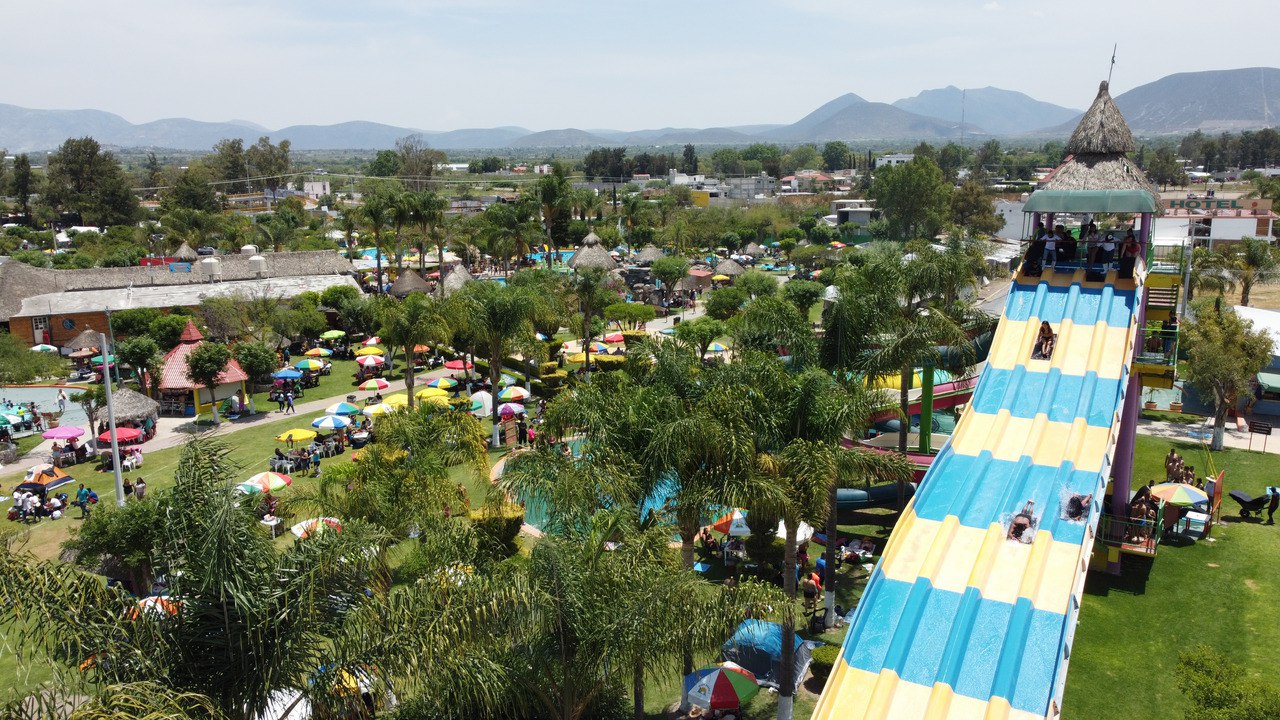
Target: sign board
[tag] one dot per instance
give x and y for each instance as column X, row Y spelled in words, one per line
column 1248, row 205
column 1260, row 428
column 184, row 267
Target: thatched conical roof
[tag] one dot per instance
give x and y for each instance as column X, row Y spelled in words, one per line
column 88, row 338
column 1102, row 130
column 132, row 406
column 456, row 278
column 592, row 255
column 753, row 249
column 184, row 252
column 730, row 268
column 1096, row 154
column 409, row 282
column 648, row 254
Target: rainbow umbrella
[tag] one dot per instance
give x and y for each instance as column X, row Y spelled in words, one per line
column 599, row 347
column 332, row 334
column 318, row 352
column 44, row 348
column 370, row 361
column 721, row 687
column 732, row 523
column 342, row 408
column 309, row 364
column 370, row 351
column 379, row 409
column 1180, row 493
column 513, row 394
column 510, row 409
column 330, row 422
column 156, row 606
column 307, row 528
column 443, row 383
column 266, row 482
column 368, row 342
column 716, row 347
column 296, row 435
column 431, row 392
column 374, row 384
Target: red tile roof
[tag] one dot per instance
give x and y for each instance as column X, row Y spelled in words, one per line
column 173, row 370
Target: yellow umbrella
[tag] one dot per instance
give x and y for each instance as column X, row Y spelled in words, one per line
column 719, row 278
column 436, row 400
column 378, row 410
column 577, row 357
column 431, row 393
column 370, row 350
column 396, row 401
column 296, row 435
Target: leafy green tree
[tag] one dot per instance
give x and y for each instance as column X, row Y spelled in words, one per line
column 19, row 365
column 269, row 163
column 629, row 316
column 775, row 327
column 205, row 365
column 723, row 303
column 803, row 294
column 669, row 271
column 913, row 198
column 418, row 161
column 689, row 160
column 553, row 193
column 836, row 155
column 126, row 535
column 230, row 166
column 338, row 295
column 83, row 178
column 757, row 284
column 1253, row 262
column 700, row 332
column 427, row 210
column 192, row 191
column 1224, row 355
column 376, row 214
column 416, row 320
column 93, row 400
column 23, row 183
column 972, row 209
column 166, row 330
column 592, row 290
column 1164, row 168
column 143, row 355
column 256, row 359
column 385, row 164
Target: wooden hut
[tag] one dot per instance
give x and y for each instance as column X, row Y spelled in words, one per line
column 1097, row 153
column 648, row 254
column 730, row 268
column 592, row 255
column 409, row 282
column 456, row 278
column 179, row 394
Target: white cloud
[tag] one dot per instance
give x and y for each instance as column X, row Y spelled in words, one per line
column 991, row 6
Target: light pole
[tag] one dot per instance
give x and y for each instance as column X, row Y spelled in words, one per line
column 111, row 428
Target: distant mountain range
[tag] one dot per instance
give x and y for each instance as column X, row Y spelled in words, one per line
column 1212, row 101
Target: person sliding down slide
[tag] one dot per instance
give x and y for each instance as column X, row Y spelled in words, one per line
column 1022, row 522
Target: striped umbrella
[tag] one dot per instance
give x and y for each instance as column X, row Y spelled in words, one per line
column 371, row 341
column 307, row 528
column 732, row 523
column 716, row 347
column 266, row 482
column 510, row 409
column 342, row 408
column 44, row 348
column 156, row 606
column 370, row 351
column 309, row 364
column 599, row 347
column 1180, row 494
column 318, row 352
column 371, row 361
column 373, row 384
column 513, row 394
column 330, row 422
column 721, row 687
column 443, row 383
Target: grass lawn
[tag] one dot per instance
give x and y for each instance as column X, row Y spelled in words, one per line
column 1172, row 417
column 1221, row 593
column 340, row 382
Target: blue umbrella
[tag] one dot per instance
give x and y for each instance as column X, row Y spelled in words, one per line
column 330, row 422
column 286, row 374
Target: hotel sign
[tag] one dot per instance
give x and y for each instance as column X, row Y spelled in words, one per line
column 1212, row 204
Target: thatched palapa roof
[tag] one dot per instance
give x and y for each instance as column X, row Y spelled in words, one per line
column 132, row 406
column 184, row 252
column 648, row 254
column 456, row 278
column 591, row 255
column 753, row 249
column 87, row 339
column 730, row 268
column 409, row 282
column 1096, row 153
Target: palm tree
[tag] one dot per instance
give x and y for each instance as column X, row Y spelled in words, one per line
column 376, row 212
column 428, row 212
column 1253, row 262
column 1211, row 271
column 591, row 289
column 403, row 206
column 500, row 320
column 416, row 320
column 349, row 224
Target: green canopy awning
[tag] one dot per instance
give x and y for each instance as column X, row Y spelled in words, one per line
column 1269, row 381
column 1091, row 201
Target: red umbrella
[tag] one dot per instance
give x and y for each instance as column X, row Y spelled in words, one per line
column 614, row 338
column 122, row 434
column 458, row 365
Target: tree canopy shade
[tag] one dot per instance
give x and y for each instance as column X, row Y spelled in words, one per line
column 913, row 198
column 205, row 365
column 416, row 320
column 1224, row 355
column 19, row 365
column 84, row 179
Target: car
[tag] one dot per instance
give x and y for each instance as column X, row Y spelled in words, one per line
column 206, row 250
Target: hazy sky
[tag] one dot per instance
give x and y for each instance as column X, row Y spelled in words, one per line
column 540, row 64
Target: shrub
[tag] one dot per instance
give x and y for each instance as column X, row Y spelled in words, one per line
column 609, row 362
column 548, row 368
column 824, row 658
column 499, row 524
column 555, row 379
column 631, row 337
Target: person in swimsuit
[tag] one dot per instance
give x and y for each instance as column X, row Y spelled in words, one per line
column 1022, row 522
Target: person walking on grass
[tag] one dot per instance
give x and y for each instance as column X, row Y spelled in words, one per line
column 288, row 403
column 82, row 499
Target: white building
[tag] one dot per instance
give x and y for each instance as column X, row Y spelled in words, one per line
column 314, row 189
column 894, row 159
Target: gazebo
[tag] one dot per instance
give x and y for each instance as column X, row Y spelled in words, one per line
column 84, row 345
column 133, row 408
column 648, row 254
column 409, row 282
column 592, row 255
column 730, row 268
column 1097, row 153
column 753, row 249
column 456, row 278
column 179, row 394
column 185, row 253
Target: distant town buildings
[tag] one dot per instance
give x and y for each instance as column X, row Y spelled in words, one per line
column 894, row 159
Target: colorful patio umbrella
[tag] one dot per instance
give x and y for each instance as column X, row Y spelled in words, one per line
column 421, row 349
column 332, row 335
column 62, row 432
column 44, row 348
column 309, row 364
column 443, row 383
column 510, row 409
column 398, row 400
column 370, row 351
column 837, row 244
column 505, row 380
column 720, row 278
column 307, row 528
column 721, row 687
column 342, row 408
column 378, row 409
column 318, row 352
column 330, row 422
column 458, row 365
column 577, row 358
column 374, row 384
column 513, row 394
column 156, row 606
column 614, row 338
column 371, row 361
column 286, row 374
column 599, row 347
column 1180, row 494
column 732, row 523
column 266, row 482
column 716, row 347
column 97, row 359
column 122, row 434
column 296, row 435
column 431, row 392
column 371, row 341
column 668, row 331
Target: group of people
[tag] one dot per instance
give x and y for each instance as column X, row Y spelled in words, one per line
column 69, row 454
column 31, row 506
column 1177, row 471
column 1048, row 248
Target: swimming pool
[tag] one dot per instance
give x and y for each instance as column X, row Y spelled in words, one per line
column 561, row 256
column 46, row 400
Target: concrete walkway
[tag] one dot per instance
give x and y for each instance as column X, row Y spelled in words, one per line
column 1237, row 435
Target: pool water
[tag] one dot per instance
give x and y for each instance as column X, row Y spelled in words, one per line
column 561, row 256
column 46, row 400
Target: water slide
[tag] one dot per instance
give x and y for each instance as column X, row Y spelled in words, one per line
column 872, row 497
column 958, row 620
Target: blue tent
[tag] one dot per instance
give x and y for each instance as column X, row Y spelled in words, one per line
column 757, row 646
